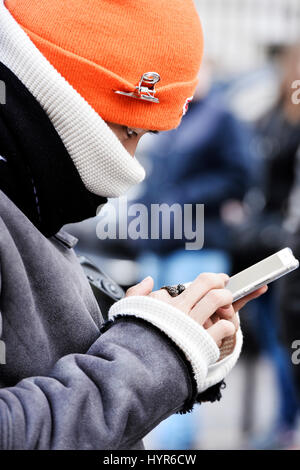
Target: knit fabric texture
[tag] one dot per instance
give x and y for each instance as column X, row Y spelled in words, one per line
column 197, row 345
column 105, row 46
column 104, row 165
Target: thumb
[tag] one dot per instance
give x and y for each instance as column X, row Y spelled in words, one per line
column 143, row 288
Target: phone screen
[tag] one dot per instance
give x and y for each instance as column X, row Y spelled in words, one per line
column 262, row 270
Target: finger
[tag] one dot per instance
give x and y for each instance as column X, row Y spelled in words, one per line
column 210, row 303
column 215, row 318
column 211, row 321
column 221, row 330
column 226, row 312
column 208, row 323
column 199, row 288
column 161, row 294
column 234, row 319
column 232, row 316
column 242, row 302
column 143, row 288
column 229, row 314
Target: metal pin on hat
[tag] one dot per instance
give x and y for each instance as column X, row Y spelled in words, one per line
column 146, row 88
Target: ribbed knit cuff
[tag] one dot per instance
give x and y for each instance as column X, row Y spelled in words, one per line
column 196, row 344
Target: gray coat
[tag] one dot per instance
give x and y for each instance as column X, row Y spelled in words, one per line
column 65, row 385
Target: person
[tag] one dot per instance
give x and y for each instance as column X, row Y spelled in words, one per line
column 85, row 80
column 289, row 295
column 267, row 232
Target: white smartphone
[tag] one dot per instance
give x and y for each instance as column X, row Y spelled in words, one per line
column 262, row 273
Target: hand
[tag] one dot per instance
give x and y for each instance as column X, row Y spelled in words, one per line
column 204, row 297
column 230, row 313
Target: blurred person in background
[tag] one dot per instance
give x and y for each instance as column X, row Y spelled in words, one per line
column 290, row 294
column 207, row 160
column 265, row 232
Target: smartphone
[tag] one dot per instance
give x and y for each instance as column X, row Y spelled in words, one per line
column 262, row 273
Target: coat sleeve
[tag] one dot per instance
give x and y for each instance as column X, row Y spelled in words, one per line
column 129, row 381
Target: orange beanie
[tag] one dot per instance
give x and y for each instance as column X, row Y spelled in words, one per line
column 105, row 46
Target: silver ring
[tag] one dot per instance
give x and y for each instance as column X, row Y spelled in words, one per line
column 174, row 291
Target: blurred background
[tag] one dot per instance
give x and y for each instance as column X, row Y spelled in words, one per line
column 238, row 153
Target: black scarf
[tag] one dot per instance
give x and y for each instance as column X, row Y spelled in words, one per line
column 39, row 175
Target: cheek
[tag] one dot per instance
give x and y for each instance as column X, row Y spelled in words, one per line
column 131, row 145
